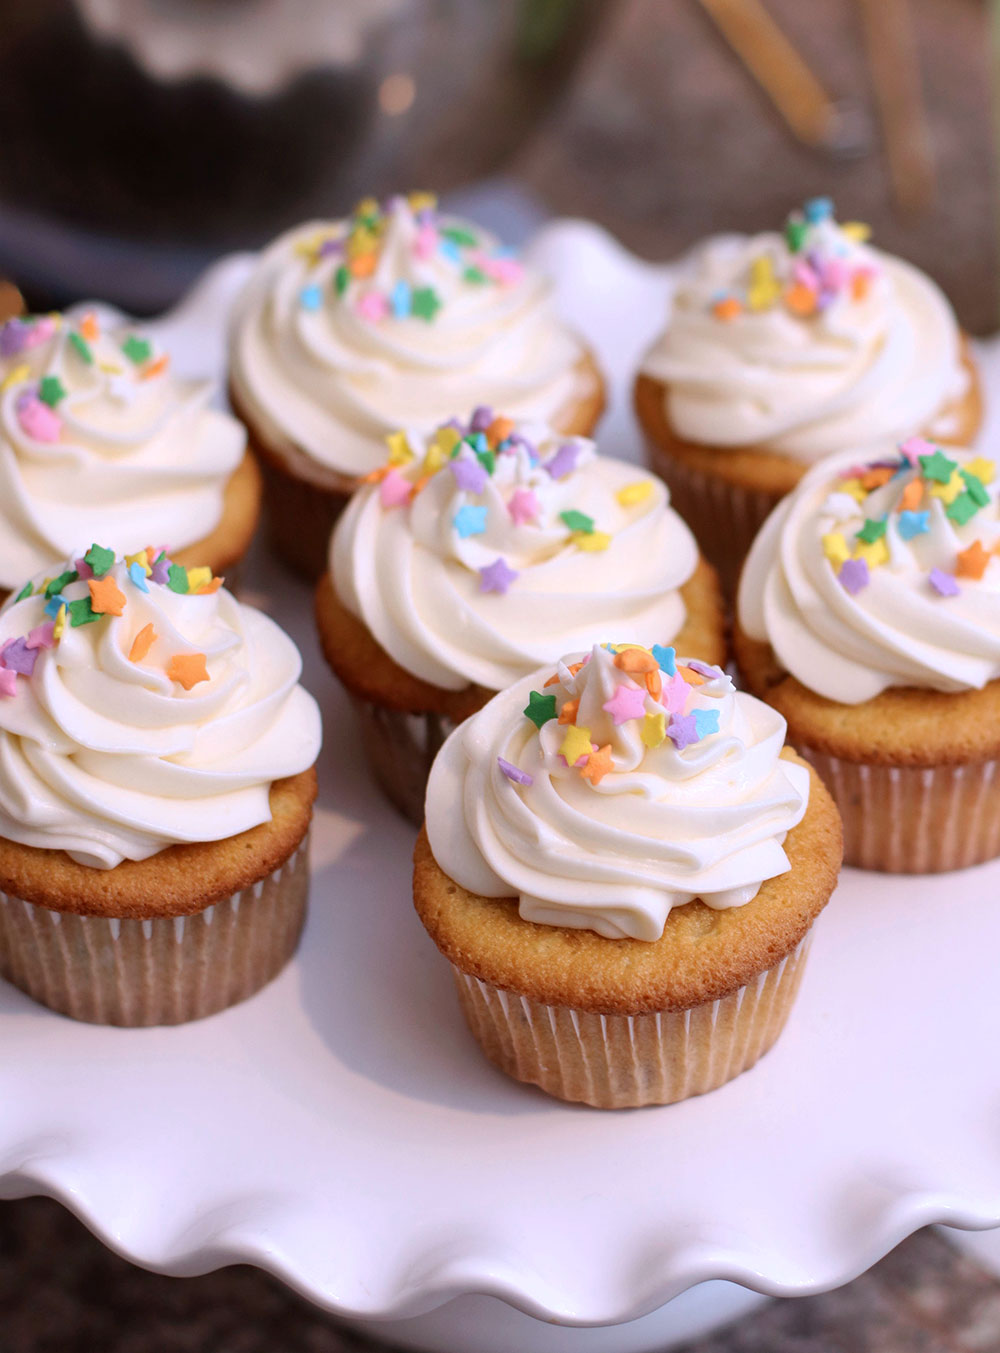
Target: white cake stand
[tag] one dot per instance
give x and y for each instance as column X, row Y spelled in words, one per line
column 342, row 1131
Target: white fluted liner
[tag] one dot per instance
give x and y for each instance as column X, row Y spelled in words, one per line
column 401, row 748
column 914, row 820
column 166, row 970
column 627, row 1061
column 724, row 517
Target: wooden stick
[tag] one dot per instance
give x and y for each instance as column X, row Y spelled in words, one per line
column 895, row 72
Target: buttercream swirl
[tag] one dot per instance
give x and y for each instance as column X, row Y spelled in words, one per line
column 882, row 574
column 617, row 794
column 124, row 733
column 333, row 347
column 507, row 557
column 805, row 342
column 96, row 431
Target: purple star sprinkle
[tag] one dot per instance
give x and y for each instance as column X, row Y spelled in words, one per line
column 520, row 777
column 469, row 474
column 12, row 338
column 496, row 577
column 482, row 417
column 704, row 669
column 16, row 656
column 943, row 583
column 519, row 439
column 563, row 462
column 683, row 731
column 853, row 576
column 331, row 246
column 161, row 570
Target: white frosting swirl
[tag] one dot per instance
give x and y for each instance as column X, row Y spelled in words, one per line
column 125, row 451
column 916, row 614
column 865, row 367
column 315, row 367
column 109, row 758
column 662, row 825
column 414, row 579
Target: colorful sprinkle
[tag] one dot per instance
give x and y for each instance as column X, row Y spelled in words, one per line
column 937, row 466
column 81, row 612
column 563, row 462
column 496, row 577
column 523, row 507
column 106, row 597
column 51, row 390
column 137, row 350
column 973, row 561
column 470, row 520
column 311, row 297
column 576, row 744
column 512, row 772
column 142, row 643
column 17, row 655
column 37, row 420
column 395, row 489
column 706, row 722
column 912, row 524
column 188, row 669
column 943, row 583
column 632, row 494
column 470, row 475
column 577, row 521
column 177, row 579
column 425, row 303
column 854, row 576
column 628, row 702
column 540, row 708
column 81, row 347
column 683, row 731
column 598, row 764
column 99, row 560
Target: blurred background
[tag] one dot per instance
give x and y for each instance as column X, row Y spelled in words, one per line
column 143, row 138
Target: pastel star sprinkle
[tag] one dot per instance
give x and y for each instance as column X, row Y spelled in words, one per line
column 962, row 509
column 683, row 731
column 59, row 624
column 18, row 656
column 577, row 521
column 576, row 744
column 873, row 555
column 199, row 578
column 599, row 763
column 943, row 583
column 51, row 390
column 635, row 493
column 188, row 669
column 496, row 577
column 912, row 524
column 26, row 591
column 666, row 658
column 540, row 708
column 81, row 613
column 106, row 596
column 972, row 562
column 137, row 350
column 512, row 772
column 937, row 466
column 142, row 643
column 949, row 491
column 628, row 702
column 853, row 576
column 835, row 548
column 177, row 579
column 915, row 447
column 470, row 475
column 470, row 520
column 38, row 421
column 482, row 417
column 310, row 297
column 631, row 658
column 523, row 507
column 975, row 487
column 873, row 530
column 653, row 730
column 137, row 574
column 8, row 682
column 425, row 303
column 399, row 448
column 42, row 636
column 591, row 542
column 706, row 721
column 99, row 560
column 395, row 489
column 983, row 469
column 563, row 462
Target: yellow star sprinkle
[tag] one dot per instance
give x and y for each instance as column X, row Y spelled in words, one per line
column 309, row 247
column 60, row 625
column 857, row 231
column 399, row 449
column 874, row 554
column 764, row 288
column 950, row 491
column 141, row 558
column 635, row 493
column 198, row 578
column 984, row 470
column 575, row 744
column 855, row 488
column 446, row 439
column 433, row 460
column 422, row 201
column 653, row 730
column 591, row 541
column 835, row 548
column 15, row 377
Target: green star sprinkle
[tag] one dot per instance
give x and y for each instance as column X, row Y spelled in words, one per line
column 795, row 235
column 82, row 347
column 976, row 488
column 99, row 559
column 177, row 578
column 51, row 390
column 578, row 521
column 425, row 303
column 541, row 708
column 137, row 350
column 962, row 509
column 938, row 467
column 341, row 280
column 82, row 613
column 64, row 580
column 873, row 529
column 458, row 235
column 475, row 275
column 487, row 460
column 25, row 591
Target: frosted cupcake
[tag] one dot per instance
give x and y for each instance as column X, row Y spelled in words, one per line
column 393, row 318
column 481, row 551
column 623, row 867
column 869, row 617
column 156, row 789
column 100, row 438
column 784, row 348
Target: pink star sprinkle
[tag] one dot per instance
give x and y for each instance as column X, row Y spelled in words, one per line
column 395, row 489
column 426, row 242
column 83, row 568
column 675, row 694
column 628, row 702
column 523, row 506
column 373, row 306
column 42, row 636
column 40, row 422
column 914, row 447
column 8, row 682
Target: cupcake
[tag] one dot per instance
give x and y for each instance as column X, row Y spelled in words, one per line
column 623, row 867
column 782, row 349
column 99, row 436
column 482, row 550
column 156, row 790
column 869, row 618
column 393, row 318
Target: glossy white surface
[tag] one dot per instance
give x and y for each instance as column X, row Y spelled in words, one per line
column 342, row 1131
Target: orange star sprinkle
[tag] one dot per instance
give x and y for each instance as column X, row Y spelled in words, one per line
column 553, row 680
column 212, row 585
column 860, row 286
column 654, row 684
column 692, row 678
column 800, row 299
column 569, row 711
column 728, row 308
column 635, row 660
column 913, row 496
column 874, row 479
column 156, row 368
column 499, row 430
column 188, row 669
column 598, row 765
column 362, row 265
column 972, row 562
column 106, row 597
column 142, row 643
column 88, row 327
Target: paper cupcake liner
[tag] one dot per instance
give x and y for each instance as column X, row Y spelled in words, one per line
column 628, row 1061
column 401, row 748
column 301, row 517
column 163, row 970
column 724, row 517
column 914, row 820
